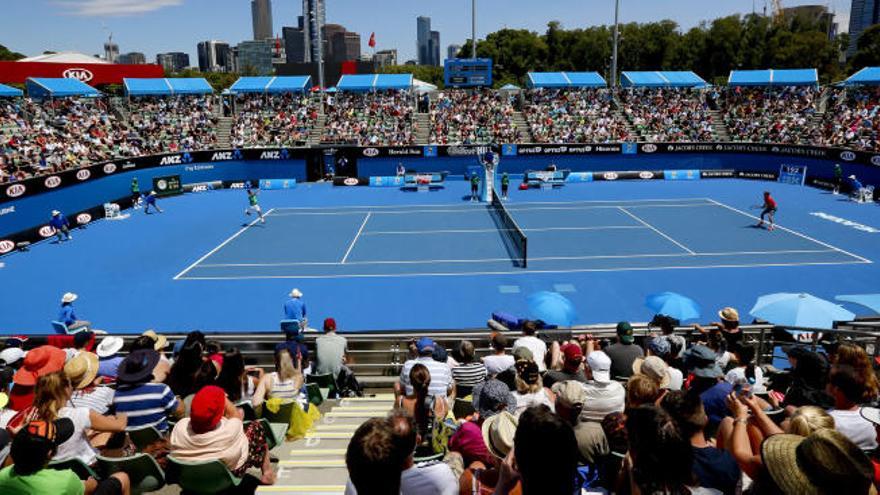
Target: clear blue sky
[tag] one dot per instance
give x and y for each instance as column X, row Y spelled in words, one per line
column 154, row 26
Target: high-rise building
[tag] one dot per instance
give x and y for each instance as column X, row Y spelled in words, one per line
column 452, row 51
column 295, row 43
column 261, row 12
column 384, row 58
column 328, row 33
column 423, row 40
column 254, row 57
column 111, row 51
column 314, row 18
column 434, row 48
column 214, row 56
column 862, row 15
column 345, row 46
column 173, row 61
column 132, row 58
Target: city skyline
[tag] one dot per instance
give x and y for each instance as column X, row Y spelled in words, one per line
column 84, row 25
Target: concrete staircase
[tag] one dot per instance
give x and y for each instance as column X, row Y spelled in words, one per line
column 519, row 120
column 422, row 122
column 224, row 132
column 719, row 128
column 317, row 131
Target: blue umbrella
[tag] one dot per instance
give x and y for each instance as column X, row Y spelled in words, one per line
column 674, row 305
column 553, row 308
column 870, row 301
column 799, row 310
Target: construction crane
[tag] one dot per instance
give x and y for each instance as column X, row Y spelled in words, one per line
column 777, row 10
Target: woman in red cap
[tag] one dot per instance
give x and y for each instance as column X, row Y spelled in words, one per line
column 215, row 430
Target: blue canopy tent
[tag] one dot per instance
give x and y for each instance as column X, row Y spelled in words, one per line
column 42, row 87
column 538, row 80
column 9, row 91
column 661, row 79
column 274, row 85
column 774, row 77
column 167, row 87
column 374, row 82
column 869, row 76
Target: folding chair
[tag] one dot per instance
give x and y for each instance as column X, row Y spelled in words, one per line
column 247, row 408
column 82, row 470
column 282, row 416
column 326, row 381
column 142, row 437
column 202, row 478
column 142, row 469
column 314, row 394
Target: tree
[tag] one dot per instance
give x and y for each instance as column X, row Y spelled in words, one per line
column 867, row 49
column 7, row 54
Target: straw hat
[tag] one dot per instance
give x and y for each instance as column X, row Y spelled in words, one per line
column 69, row 297
column 824, row 462
column 82, row 370
column 161, row 340
column 295, row 293
column 654, row 368
column 729, row 314
column 109, row 346
column 498, row 433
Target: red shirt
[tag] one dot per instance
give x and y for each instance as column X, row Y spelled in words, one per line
column 769, row 202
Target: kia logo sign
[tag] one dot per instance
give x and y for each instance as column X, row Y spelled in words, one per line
column 83, row 75
column 83, row 218
column 6, row 246
column 46, row 231
column 646, row 175
column 15, row 190
column 848, row 156
column 109, row 168
column 610, row 176
column 876, row 160
column 52, row 182
column 350, row 181
column 649, row 148
column 371, row 152
column 83, row 174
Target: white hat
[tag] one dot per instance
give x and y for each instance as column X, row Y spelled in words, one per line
column 109, row 346
column 853, row 176
column 295, row 293
column 600, row 365
column 498, row 433
column 69, row 297
column 11, row 355
column 55, row 213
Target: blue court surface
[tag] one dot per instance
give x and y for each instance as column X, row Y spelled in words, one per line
column 382, row 259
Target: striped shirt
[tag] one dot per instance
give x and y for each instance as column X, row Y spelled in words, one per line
column 469, row 375
column 441, row 377
column 285, row 390
column 97, row 399
column 147, row 404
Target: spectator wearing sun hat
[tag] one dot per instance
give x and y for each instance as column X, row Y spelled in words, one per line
column 623, row 352
column 661, row 347
column 82, row 371
column 441, row 375
column 570, row 399
column 108, row 358
column 604, row 395
column 38, row 362
column 67, row 315
column 709, row 382
column 490, row 398
column 654, row 368
column 145, row 403
column 728, row 327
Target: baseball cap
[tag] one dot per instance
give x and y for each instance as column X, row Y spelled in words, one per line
column 425, row 344
column 207, row 408
column 12, row 355
column 329, row 324
column 701, row 361
column 625, row 332
column 572, row 353
column 37, row 438
column 520, row 353
column 571, row 392
column 659, row 346
column 490, row 395
column 600, row 365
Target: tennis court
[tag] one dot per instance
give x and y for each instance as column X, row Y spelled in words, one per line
column 468, row 239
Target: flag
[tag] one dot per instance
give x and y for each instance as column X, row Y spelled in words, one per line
column 372, row 42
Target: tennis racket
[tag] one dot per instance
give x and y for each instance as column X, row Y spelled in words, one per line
column 756, row 207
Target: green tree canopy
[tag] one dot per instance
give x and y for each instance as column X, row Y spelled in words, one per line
column 7, row 54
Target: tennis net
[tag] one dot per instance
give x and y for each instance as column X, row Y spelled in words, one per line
column 514, row 238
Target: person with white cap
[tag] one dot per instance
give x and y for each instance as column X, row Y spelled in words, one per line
column 604, row 395
column 150, row 200
column 108, row 357
column 61, row 225
column 295, row 308
column 858, row 190
column 68, row 316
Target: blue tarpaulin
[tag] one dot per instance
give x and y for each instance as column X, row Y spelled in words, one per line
column 373, row 82
column 167, row 87
column 661, row 79
column 565, row 80
column 774, row 77
column 867, row 76
column 281, row 84
column 8, row 91
column 41, row 87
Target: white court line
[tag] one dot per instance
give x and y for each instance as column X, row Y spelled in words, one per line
column 646, row 224
column 227, row 241
column 471, row 206
column 803, row 236
column 481, row 231
column 529, row 271
column 489, row 260
column 354, row 241
column 520, row 207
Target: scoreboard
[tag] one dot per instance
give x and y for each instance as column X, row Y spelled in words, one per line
column 467, row 72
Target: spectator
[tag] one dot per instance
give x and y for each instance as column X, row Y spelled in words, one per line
column 331, row 350
column 37, row 363
column 713, row 467
column 604, row 395
column 82, row 372
column 295, row 308
column 530, row 389
column 662, row 348
column 490, row 398
column 499, row 360
column 470, row 372
column 472, row 117
column 667, row 114
column 294, row 344
column 782, row 114
column 284, row 383
column 32, row 449
column 163, row 367
column 728, row 327
column 623, row 353
column 145, row 403
column 215, row 431
column 441, row 376
column 677, row 343
column 235, row 378
column 641, row 389
column 206, row 375
column 160, row 343
column 68, row 316
column 380, row 118
column 434, row 478
column 424, row 407
column 848, row 390
column 654, row 369
column 273, row 120
column 189, row 359
column 573, row 116
column 108, row 357
column 809, row 375
column 851, row 354
column 746, row 372
column 708, row 383
column 82, row 341
column 573, row 359
column 851, row 118
column 533, row 344
column 498, row 435
column 591, row 441
column 372, row 459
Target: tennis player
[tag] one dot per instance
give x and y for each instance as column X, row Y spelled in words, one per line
column 150, row 200
column 254, row 205
column 768, row 211
column 61, row 225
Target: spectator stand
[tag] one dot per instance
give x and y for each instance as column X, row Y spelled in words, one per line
column 666, row 106
column 40, row 88
column 371, row 110
column 10, row 92
column 273, row 111
column 852, row 112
